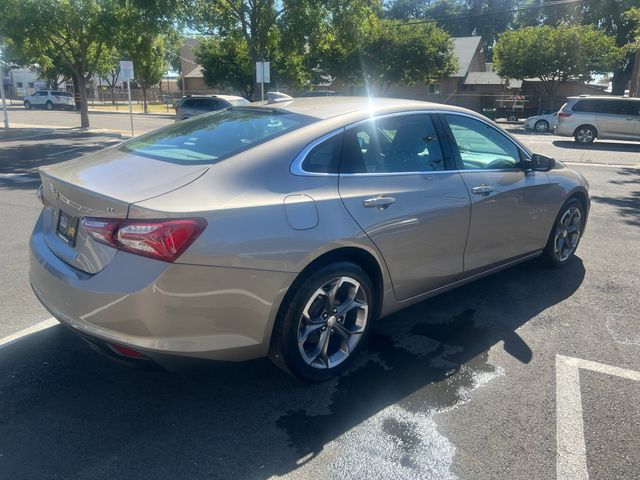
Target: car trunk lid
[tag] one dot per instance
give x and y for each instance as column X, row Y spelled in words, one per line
column 103, row 185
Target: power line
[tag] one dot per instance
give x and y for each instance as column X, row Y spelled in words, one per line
column 488, row 14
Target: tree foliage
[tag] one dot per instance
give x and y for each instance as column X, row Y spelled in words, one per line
column 81, row 32
column 555, row 54
column 149, row 60
column 227, row 63
column 391, row 52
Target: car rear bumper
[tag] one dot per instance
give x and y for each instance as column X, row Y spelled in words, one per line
column 159, row 309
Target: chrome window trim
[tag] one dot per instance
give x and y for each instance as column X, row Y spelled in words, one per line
column 296, row 165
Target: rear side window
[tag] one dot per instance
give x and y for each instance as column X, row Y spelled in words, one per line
column 211, row 137
column 61, row 94
column 401, row 144
column 188, row 103
column 324, row 157
column 609, row 107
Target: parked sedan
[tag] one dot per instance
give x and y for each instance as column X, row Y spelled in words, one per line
column 286, row 229
column 50, row 99
column 542, row 123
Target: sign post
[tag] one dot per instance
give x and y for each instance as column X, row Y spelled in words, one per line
column 4, row 103
column 126, row 70
column 263, row 75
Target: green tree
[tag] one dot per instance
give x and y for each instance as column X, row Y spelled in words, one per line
column 80, row 31
column 226, row 62
column 555, row 54
column 633, row 15
column 149, row 62
column 392, row 52
column 288, row 33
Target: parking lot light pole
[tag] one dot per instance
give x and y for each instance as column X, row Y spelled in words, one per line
column 5, row 116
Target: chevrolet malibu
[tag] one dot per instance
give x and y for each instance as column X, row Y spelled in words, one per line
column 286, row 229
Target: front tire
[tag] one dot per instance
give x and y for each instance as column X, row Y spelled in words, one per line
column 512, row 117
column 585, row 134
column 323, row 322
column 49, row 106
column 565, row 234
column 27, row 105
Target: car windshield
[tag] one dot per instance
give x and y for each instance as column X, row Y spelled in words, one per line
column 211, row 137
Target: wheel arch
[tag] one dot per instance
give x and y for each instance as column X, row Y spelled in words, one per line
column 356, row 255
column 583, row 198
column 595, row 129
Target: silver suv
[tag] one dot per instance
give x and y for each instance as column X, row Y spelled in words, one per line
column 50, row 99
column 193, row 105
column 589, row 117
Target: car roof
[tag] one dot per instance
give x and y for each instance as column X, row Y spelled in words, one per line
column 602, row 97
column 328, row 107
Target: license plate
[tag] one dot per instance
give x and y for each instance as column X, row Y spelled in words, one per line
column 67, row 228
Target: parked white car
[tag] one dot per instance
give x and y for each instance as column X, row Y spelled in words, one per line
column 50, row 99
column 542, row 123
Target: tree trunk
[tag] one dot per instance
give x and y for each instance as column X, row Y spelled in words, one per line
column 634, row 88
column 113, row 94
column 84, row 108
column 144, row 100
column 621, row 79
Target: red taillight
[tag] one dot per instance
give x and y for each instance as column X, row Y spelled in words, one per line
column 564, row 114
column 160, row 239
column 126, row 352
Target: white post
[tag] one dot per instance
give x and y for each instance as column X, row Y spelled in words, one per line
column 262, row 82
column 4, row 102
column 130, row 108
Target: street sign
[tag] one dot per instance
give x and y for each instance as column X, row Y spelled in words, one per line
column 263, row 72
column 126, row 70
column 126, row 73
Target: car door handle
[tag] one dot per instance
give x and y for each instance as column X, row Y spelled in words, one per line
column 482, row 189
column 380, row 202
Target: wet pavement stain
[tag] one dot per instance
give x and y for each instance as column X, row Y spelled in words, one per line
column 392, row 373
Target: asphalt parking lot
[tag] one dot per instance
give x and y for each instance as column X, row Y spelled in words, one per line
column 527, row 374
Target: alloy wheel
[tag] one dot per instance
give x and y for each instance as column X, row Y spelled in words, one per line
column 584, row 135
column 541, row 126
column 567, row 233
column 332, row 322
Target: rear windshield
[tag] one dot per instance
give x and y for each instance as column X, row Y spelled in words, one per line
column 210, row 137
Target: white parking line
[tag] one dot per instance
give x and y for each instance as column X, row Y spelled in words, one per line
column 48, row 323
column 571, row 449
column 601, row 165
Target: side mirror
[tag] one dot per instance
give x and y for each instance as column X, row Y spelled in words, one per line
column 539, row 163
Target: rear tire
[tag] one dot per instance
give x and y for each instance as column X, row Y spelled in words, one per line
column 512, row 117
column 49, row 106
column 585, row 134
column 541, row 126
column 565, row 235
column 323, row 322
column 27, row 105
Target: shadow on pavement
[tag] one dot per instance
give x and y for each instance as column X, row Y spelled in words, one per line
column 629, row 206
column 23, row 151
column 599, row 145
column 68, row 413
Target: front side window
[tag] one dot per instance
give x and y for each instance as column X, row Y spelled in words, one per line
column 392, row 145
column 481, row 146
column 210, row 137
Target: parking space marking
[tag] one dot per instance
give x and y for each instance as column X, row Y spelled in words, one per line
column 571, row 449
column 48, row 323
